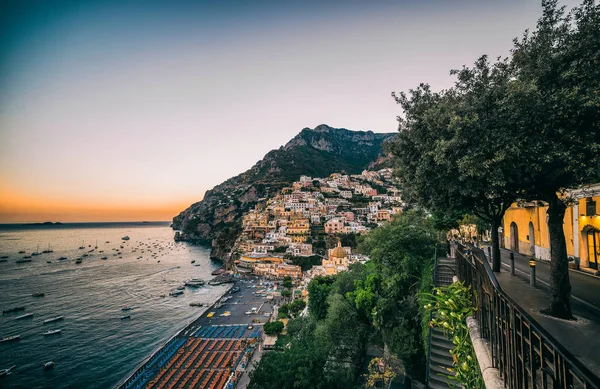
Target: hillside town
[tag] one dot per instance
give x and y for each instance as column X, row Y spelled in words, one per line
column 310, row 218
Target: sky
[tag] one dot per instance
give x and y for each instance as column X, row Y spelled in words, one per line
column 131, row 110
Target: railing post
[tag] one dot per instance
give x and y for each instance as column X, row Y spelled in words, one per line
column 532, row 273
column 512, row 264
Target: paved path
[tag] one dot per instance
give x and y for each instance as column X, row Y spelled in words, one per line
column 581, row 338
column 585, row 289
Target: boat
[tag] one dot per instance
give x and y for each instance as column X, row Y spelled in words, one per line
column 61, row 258
column 125, row 317
column 104, row 257
column 78, row 261
column 125, row 237
column 176, row 292
column 25, row 316
column 52, row 332
column 194, row 282
column 5, row 372
column 10, row 338
column 122, row 247
column 38, row 294
column 3, row 260
column 22, row 252
column 107, row 241
column 48, row 365
column 193, row 261
column 4, row 257
column 235, row 289
column 196, row 304
column 85, row 255
column 53, row 319
column 37, row 251
column 48, row 261
column 15, row 309
column 24, row 259
column 96, row 244
column 48, row 250
column 82, row 246
column 126, row 308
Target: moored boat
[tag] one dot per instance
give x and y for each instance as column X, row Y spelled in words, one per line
column 53, row 319
column 24, row 260
column 10, row 338
column 52, row 332
column 176, row 292
column 48, row 365
column 61, row 258
column 5, row 372
column 194, row 282
column 25, row 316
column 125, row 237
column 38, row 294
column 125, row 317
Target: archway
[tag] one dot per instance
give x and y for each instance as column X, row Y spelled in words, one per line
column 514, row 237
column 531, row 239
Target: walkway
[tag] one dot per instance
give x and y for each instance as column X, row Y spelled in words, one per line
column 585, row 288
column 581, row 338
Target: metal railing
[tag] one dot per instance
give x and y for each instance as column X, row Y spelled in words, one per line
column 427, row 372
column 526, row 355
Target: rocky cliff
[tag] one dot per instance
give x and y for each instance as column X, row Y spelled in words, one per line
column 316, row 152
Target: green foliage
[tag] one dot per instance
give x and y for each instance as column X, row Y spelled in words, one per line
column 286, row 293
column 306, row 263
column 287, row 282
column 297, row 306
column 451, row 306
column 280, row 249
column 318, row 291
column 273, row 327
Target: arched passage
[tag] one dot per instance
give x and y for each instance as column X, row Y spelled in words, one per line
column 514, row 236
column 531, row 239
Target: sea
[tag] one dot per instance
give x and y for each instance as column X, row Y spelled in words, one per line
column 96, row 348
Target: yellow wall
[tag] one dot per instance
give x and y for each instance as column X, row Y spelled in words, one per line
column 537, row 215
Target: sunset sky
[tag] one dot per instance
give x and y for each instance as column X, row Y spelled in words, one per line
column 131, row 110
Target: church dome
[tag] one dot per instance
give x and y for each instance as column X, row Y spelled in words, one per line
column 339, row 252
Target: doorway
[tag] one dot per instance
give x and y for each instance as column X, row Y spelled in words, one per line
column 514, row 237
column 531, row 239
column 593, row 241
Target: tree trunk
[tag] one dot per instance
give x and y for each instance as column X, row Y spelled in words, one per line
column 495, row 246
column 560, row 286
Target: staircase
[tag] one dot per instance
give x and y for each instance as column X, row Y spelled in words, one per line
column 439, row 356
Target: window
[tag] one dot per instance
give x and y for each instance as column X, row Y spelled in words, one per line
column 590, row 207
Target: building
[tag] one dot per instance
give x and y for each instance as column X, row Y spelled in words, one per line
column 334, row 226
column 525, row 228
column 338, row 260
column 277, row 270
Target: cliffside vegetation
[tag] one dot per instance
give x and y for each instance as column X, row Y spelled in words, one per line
column 375, row 303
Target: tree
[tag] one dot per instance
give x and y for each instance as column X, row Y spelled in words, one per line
column 451, row 146
column 554, row 105
column 318, row 291
column 297, row 306
column 286, row 293
column 287, row 282
column 273, row 327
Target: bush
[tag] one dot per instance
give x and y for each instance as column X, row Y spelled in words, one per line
column 273, row 327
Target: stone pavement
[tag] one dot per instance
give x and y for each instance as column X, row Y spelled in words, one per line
column 581, row 338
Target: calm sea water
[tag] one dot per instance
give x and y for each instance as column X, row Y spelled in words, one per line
column 96, row 349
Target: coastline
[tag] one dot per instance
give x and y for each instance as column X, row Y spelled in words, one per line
column 130, row 375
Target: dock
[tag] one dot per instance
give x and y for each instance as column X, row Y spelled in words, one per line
column 211, row 352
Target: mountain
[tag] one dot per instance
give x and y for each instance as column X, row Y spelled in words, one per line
column 316, row 152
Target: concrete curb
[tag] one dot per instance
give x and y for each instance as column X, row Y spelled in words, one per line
column 491, row 375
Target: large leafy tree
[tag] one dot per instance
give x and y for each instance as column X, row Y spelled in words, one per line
column 555, row 112
column 451, row 148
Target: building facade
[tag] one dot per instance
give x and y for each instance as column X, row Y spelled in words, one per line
column 526, row 228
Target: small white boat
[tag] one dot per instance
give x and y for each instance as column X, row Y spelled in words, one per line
column 25, row 316
column 194, row 282
column 125, row 317
column 10, row 338
column 52, row 320
column 5, row 372
column 52, row 332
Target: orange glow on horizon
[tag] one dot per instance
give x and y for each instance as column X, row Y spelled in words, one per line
column 16, row 208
